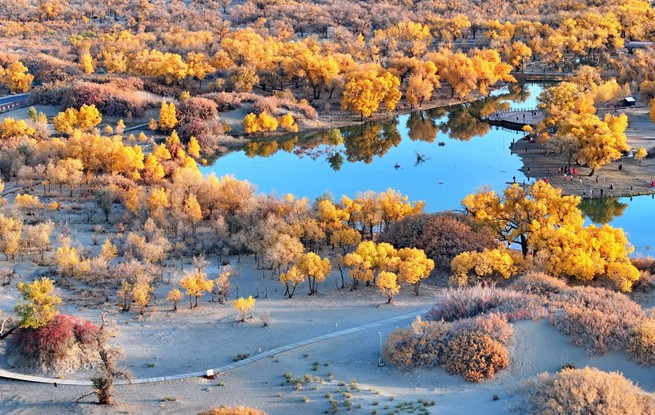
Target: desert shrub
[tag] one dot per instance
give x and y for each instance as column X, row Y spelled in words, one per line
column 641, row 343
column 126, row 106
column 65, row 343
column 49, row 94
column 540, row 284
column 586, row 391
column 597, row 319
column 265, row 104
column 85, row 93
column 434, row 234
column 48, row 69
column 206, row 132
column 493, row 325
column 644, row 264
column 159, row 88
column 475, row 356
column 465, row 302
column 235, row 410
column 225, row 101
column 422, row 345
column 194, row 109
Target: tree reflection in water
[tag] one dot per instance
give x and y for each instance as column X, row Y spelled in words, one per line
column 602, row 210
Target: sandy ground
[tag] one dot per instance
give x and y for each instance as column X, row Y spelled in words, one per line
column 634, row 178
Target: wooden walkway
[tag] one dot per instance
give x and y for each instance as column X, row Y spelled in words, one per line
column 217, row 371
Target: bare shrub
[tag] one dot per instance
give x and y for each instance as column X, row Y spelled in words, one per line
column 65, row 344
column 422, row 345
column 234, row 410
column 464, row 302
column 596, row 318
column 586, row 391
column 475, row 356
column 641, row 343
column 85, row 93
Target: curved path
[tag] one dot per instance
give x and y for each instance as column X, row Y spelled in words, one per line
column 268, row 353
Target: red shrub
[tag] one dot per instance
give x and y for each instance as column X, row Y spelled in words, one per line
column 475, row 356
column 45, row 346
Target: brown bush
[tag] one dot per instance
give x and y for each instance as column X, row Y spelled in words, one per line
column 586, row 391
column 422, row 345
column 207, row 133
column 49, row 94
column 235, row 410
column 475, row 356
column 435, row 235
column 65, row 343
column 597, row 319
column 641, row 343
column 196, row 109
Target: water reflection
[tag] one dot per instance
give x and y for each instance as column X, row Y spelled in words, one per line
column 364, row 142
column 602, row 210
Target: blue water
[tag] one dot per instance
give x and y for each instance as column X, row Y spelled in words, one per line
column 463, row 157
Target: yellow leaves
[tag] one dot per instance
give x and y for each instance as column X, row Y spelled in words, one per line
column 195, row 284
column 651, row 111
column 37, row 308
column 488, row 263
column 16, row 77
column 28, row 201
column 287, row 122
column 406, row 38
column 167, row 116
column 86, row 118
column 388, row 285
column 368, row 88
column 193, row 147
column 108, row 251
column 10, row 128
column 641, row 153
column 86, row 63
column 174, row 296
column 68, row 261
column 413, row 266
column 263, row 122
column 243, row 306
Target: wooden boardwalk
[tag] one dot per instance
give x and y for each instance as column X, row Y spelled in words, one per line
column 516, row 120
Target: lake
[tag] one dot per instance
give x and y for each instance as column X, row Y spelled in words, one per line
column 438, row 156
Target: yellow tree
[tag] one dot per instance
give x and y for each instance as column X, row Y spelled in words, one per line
column 518, row 213
column 370, row 258
column 193, row 148
column 243, row 306
column 167, row 116
column 387, row 282
column 196, row 283
column 599, row 141
column 86, row 63
column 141, row 293
column 16, row 78
column 367, row 89
column 10, row 236
column 38, row 306
column 174, row 296
column 315, row 268
column 291, row 279
column 414, row 266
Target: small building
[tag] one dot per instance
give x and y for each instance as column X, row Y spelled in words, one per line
column 627, row 102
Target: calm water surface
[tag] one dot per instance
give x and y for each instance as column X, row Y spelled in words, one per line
column 438, row 156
